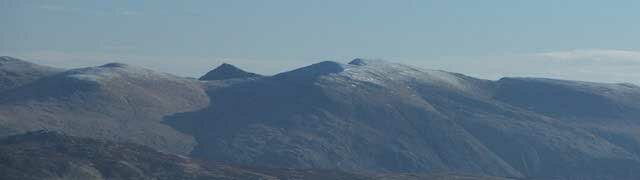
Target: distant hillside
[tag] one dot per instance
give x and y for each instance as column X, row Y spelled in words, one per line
column 386, row 117
column 115, row 101
column 15, row 73
column 367, row 116
column 52, row 155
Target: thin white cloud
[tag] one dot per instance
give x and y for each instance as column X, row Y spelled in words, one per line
column 125, row 12
column 604, row 55
column 50, row 7
column 69, row 9
column 59, row 8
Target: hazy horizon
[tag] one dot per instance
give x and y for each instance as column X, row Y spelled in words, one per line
column 576, row 40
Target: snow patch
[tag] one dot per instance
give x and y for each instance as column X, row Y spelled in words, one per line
column 114, row 71
column 389, row 74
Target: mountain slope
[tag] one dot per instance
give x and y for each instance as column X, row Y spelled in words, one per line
column 366, row 116
column 51, row 155
column 572, row 99
column 611, row 111
column 114, row 101
column 386, row 117
column 15, row 72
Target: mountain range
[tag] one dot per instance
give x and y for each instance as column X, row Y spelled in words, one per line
column 366, row 117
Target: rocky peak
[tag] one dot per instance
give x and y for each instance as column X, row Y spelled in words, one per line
column 227, row 71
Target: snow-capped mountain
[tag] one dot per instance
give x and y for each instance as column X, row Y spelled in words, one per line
column 366, row 116
column 114, row 101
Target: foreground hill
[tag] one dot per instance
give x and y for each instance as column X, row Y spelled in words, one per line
column 365, row 116
column 52, row 155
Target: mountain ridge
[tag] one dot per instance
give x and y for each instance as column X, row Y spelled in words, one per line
column 366, row 115
column 15, row 72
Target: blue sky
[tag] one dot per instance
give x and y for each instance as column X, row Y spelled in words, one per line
column 573, row 39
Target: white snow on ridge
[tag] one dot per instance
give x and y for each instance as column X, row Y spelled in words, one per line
column 386, row 74
column 113, row 71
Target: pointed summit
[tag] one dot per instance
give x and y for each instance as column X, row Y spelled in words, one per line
column 227, row 71
column 362, row 62
column 358, row 62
